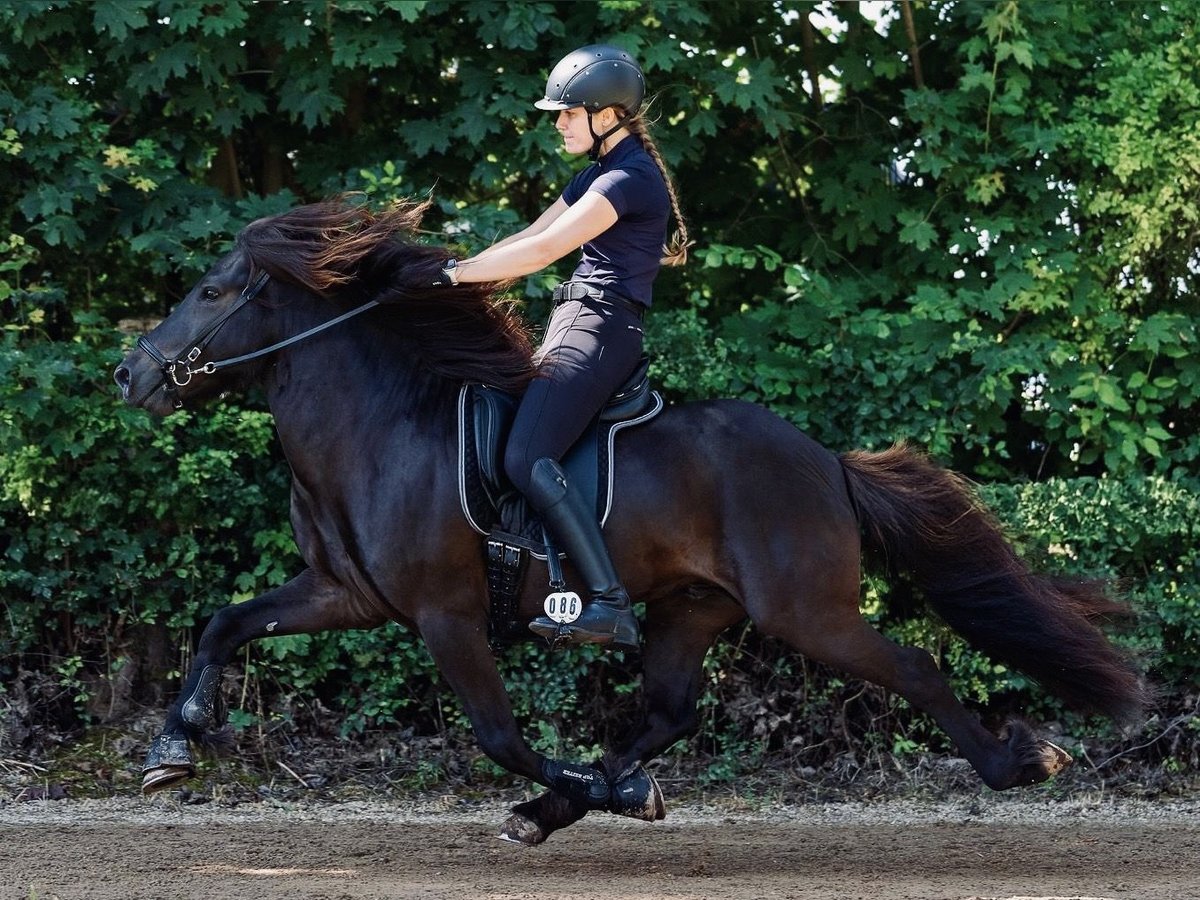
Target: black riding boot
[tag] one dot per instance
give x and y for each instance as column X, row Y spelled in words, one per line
column 608, row 618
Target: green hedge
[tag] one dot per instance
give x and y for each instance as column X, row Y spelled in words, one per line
column 115, row 524
column 114, row 518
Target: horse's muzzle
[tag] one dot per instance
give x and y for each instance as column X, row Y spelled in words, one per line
column 141, row 386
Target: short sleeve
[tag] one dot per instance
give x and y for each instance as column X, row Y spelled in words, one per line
column 620, row 188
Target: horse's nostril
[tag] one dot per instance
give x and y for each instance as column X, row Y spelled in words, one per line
column 122, row 378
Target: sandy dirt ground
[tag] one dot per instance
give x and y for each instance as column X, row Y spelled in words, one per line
column 973, row 849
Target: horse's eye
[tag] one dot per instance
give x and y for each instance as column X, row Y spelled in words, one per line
column 211, row 293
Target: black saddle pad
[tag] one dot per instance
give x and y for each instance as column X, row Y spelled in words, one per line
column 485, row 417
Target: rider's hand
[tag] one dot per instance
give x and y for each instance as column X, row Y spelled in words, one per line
column 438, row 273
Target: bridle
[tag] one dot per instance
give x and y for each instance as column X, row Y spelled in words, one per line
column 177, row 373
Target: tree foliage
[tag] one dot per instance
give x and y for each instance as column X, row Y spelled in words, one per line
column 996, row 261
column 971, row 224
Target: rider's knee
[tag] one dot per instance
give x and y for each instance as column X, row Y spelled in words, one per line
column 517, row 467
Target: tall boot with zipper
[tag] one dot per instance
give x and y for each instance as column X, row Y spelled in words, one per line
column 608, row 618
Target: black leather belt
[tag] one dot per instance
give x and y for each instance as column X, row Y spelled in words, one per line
column 577, row 290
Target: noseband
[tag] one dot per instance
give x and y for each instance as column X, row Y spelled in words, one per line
column 179, row 372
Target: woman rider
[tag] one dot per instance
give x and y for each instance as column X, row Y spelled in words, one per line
column 617, row 210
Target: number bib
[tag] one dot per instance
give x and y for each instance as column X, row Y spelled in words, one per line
column 563, row 608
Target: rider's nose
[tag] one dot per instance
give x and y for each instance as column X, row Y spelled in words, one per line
column 123, row 379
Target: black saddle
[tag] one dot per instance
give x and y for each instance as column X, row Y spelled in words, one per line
column 495, row 509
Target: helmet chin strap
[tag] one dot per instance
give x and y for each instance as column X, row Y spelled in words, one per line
column 598, row 139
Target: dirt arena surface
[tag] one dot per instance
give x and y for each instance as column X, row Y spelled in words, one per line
column 977, row 848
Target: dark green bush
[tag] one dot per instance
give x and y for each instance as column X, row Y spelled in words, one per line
column 115, row 523
column 1144, row 534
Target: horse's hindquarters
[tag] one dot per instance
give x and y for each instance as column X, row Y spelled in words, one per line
column 728, row 494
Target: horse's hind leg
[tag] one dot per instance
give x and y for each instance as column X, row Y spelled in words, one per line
column 308, row 603
column 837, row 634
column 681, row 631
column 677, row 634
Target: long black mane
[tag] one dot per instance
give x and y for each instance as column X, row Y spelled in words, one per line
column 337, row 249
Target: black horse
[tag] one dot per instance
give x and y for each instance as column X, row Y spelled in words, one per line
column 724, row 511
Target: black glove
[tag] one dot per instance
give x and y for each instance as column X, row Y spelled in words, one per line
column 445, row 274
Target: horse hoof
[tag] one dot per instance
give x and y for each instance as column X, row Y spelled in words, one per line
column 164, row 777
column 1054, row 757
column 519, row 829
column 638, row 796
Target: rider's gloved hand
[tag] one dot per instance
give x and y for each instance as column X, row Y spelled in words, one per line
column 439, row 273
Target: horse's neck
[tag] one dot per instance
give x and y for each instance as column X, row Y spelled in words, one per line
column 343, row 398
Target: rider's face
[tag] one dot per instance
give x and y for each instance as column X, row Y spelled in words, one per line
column 572, row 124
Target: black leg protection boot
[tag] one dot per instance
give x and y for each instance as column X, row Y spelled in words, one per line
column 608, row 619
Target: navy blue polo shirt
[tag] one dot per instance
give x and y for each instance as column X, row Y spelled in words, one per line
column 624, row 259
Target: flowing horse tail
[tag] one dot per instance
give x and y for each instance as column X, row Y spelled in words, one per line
column 924, row 520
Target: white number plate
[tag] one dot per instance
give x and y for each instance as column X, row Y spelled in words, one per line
column 563, row 608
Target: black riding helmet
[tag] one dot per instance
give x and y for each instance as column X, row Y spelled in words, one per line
column 594, row 77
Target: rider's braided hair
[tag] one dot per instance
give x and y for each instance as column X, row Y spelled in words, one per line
column 674, row 252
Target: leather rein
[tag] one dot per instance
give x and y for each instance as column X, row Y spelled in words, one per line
column 177, row 373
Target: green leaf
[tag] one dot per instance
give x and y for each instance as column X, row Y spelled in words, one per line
column 916, row 231
column 182, row 14
column 987, row 188
column 220, row 20
column 311, row 99
column 165, row 62
column 426, row 135
column 750, row 85
column 702, row 122
column 206, row 222
column 976, row 77
column 1109, row 394
column 409, row 10
column 294, row 31
column 118, row 17
column 1021, row 51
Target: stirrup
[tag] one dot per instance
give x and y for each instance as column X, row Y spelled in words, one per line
column 622, row 632
column 560, row 637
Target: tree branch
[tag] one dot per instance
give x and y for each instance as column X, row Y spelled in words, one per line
column 914, row 50
column 809, row 42
column 224, row 173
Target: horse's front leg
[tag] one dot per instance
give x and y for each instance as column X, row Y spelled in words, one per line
column 308, row 603
column 678, row 632
column 458, row 643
